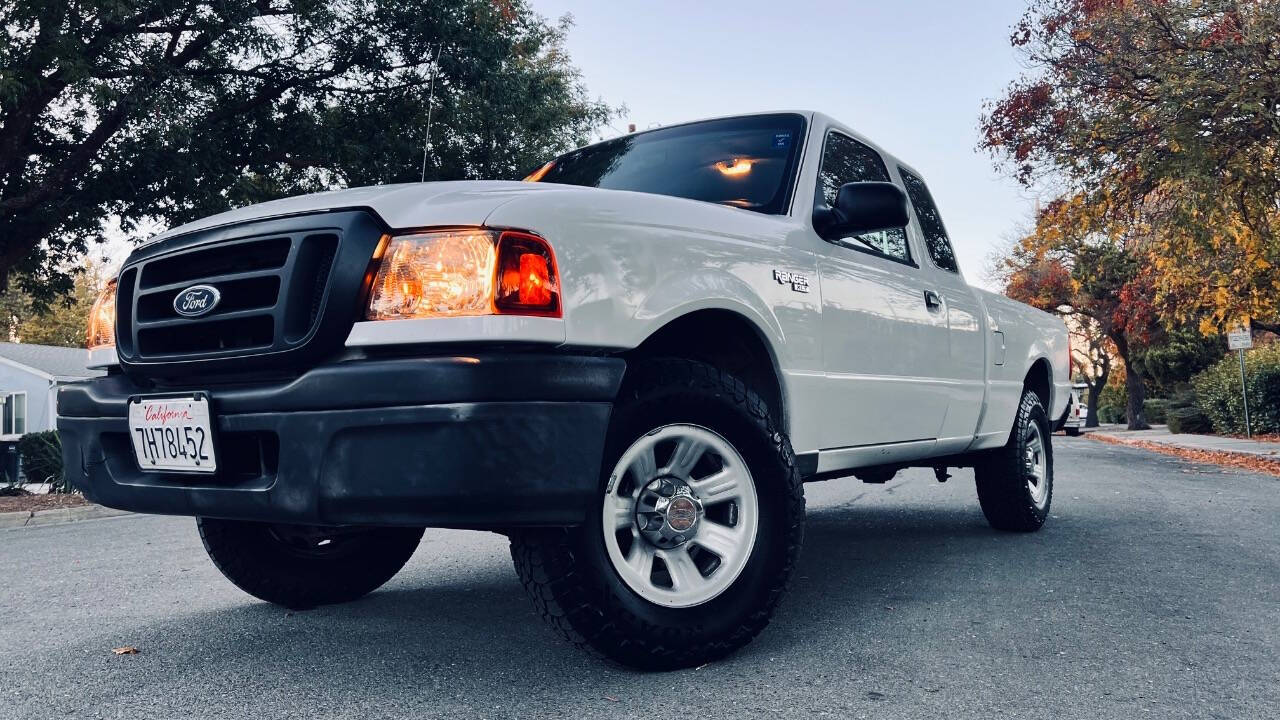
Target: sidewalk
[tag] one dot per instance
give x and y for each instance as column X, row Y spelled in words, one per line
column 1160, row 434
column 56, row 516
column 1261, row 457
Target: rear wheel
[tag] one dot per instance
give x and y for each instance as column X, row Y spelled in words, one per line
column 302, row 566
column 1015, row 483
column 696, row 530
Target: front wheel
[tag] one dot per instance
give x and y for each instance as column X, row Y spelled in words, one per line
column 688, row 549
column 1015, row 483
column 300, row 566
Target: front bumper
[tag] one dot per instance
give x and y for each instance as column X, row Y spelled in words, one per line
column 481, row 442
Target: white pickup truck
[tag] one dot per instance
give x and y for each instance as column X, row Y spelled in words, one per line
column 630, row 364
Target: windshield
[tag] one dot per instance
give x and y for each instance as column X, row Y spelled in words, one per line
column 747, row 162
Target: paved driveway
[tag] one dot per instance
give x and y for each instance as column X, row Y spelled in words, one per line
column 1154, row 591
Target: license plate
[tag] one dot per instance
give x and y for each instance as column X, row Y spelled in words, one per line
column 172, row 434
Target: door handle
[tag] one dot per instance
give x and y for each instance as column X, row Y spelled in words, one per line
column 932, row 300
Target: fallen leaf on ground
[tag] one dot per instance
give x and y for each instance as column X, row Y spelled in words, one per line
column 126, row 650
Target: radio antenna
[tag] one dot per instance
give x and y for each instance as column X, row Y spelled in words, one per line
column 431, row 101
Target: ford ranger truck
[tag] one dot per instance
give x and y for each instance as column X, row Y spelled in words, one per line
column 630, row 364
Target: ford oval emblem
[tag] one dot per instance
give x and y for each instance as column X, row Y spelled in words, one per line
column 196, row 300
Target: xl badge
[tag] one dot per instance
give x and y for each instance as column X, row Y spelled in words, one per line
column 196, row 300
column 798, row 282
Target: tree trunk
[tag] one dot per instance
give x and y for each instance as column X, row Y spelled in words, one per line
column 1137, row 393
column 1095, row 392
column 1091, row 417
column 1134, row 388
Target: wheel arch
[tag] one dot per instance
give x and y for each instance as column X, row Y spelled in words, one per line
column 1039, row 379
column 726, row 338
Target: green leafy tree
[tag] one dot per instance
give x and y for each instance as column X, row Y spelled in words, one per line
column 61, row 322
column 1171, row 364
column 168, row 110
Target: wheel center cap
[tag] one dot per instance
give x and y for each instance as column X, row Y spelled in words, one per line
column 682, row 513
column 667, row 512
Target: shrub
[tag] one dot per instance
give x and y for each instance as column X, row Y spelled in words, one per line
column 41, row 454
column 1112, row 402
column 1112, row 414
column 1185, row 415
column 1156, row 410
column 1218, row 391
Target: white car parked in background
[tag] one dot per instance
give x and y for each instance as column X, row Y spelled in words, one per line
column 630, row 365
column 1077, row 410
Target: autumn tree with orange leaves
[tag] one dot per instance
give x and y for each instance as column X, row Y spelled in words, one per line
column 1159, row 119
column 1088, row 270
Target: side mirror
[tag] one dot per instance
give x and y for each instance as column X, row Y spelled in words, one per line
column 862, row 207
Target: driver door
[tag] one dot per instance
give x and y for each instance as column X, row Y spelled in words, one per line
column 883, row 326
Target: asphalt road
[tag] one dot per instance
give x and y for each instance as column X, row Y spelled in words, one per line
column 1153, row 591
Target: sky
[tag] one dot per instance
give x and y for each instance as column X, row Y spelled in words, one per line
column 911, row 75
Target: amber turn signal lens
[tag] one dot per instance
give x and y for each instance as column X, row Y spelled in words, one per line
column 528, row 283
column 537, row 175
column 102, row 319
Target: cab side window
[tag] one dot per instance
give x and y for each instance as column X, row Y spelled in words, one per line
column 845, row 160
column 930, row 221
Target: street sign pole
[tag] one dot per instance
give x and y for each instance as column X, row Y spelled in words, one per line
column 1248, row 430
column 1240, row 338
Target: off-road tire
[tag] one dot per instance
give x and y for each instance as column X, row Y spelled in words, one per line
column 1002, row 474
column 256, row 559
column 567, row 572
column 1073, row 431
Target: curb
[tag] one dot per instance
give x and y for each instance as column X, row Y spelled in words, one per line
column 1121, row 439
column 56, row 516
column 1265, row 464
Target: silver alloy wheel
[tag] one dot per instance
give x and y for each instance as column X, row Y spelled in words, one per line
column 680, row 534
column 1037, row 465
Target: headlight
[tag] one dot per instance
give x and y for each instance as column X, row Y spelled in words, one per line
column 102, row 319
column 455, row 273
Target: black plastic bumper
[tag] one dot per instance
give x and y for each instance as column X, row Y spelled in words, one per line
column 486, row 442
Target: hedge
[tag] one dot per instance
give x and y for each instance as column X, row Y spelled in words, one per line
column 1218, row 391
column 41, row 454
column 1156, row 410
column 1185, row 415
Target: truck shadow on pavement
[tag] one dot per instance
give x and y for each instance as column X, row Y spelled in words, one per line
column 420, row 632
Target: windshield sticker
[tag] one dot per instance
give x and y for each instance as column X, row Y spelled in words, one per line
column 782, row 140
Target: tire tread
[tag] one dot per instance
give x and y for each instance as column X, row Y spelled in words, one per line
column 999, row 477
column 569, row 602
column 239, row 551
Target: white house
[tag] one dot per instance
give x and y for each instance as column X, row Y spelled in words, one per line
column 29, row 380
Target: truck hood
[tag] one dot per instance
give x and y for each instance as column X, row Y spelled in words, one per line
column 465, row 202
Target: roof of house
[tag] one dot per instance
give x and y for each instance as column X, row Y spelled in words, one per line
column 57, row 363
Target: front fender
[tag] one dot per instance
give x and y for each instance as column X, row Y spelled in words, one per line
column 685, row 292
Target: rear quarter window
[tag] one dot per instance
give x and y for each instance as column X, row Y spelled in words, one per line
column 929, row 219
